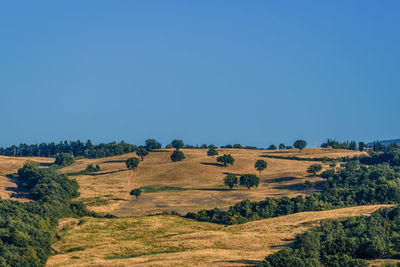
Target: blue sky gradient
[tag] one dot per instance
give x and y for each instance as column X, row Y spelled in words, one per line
column 249, row 72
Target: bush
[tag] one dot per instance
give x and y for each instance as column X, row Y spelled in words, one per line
column 64, row 159
column 177, row 156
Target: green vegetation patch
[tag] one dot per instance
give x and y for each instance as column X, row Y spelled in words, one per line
column 116, row 257
column 151, row 189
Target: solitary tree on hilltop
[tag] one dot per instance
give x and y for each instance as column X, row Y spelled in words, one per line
column 177, row 156
column 152, row 144
column 230, row 180
column 177, row 144
column 212, row 152
column 249, row 180
column 142, row 152
column 272, row 147
column 282, row 146
column 260, row 165
column 226, row 160
column 300, row 144
column 314, row 169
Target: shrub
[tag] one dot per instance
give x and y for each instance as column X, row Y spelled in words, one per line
column 64, row 159
column 249, row 180
column 177, row 156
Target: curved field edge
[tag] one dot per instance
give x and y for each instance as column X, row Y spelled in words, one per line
column 163, row 240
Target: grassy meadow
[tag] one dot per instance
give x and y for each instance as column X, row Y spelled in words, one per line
column 143, row 236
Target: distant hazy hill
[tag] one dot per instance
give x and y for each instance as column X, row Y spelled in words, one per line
column 387, row 142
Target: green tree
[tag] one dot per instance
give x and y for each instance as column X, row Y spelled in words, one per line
column 212, row 152
column 282, row 146
column 353, row 145
column 203, row 146
column 177, row 156
column 152, row 144
column 272, row 147
column 64, row 159
column 314, row 169
column 226, row 160
column 136, row 192
column 361, row 146
column 142, row 152
column 333, row 164
column 249, row 180
column 132, row 163
column 260, row 165
column 177, row 144
column 300, row 144
column 230, row 180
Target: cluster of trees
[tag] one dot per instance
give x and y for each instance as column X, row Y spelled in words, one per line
column 64, row 159
column 391, row 156
column 27, row 229
column 349, row 242
column 247, row 180
column 350, row 145
column 76, row 148
column 353, row 184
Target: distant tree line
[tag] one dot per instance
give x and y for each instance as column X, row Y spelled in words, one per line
column 76, row 148
column 353, row 184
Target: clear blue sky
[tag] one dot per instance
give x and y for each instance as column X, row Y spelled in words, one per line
column 249, row 72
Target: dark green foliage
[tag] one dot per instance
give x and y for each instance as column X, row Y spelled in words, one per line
column 132, row 163
column 76, row 148
column 212, row 146
column 260, row 165
column 272, row 147
column 203, row 146
column 333, row 164
column 141, row 152
column 249, row 180
column 353, row 145
column 347, row 242
column 361, row 146
column 177, row 144
column 177, row 156
column 300, row 144
column 282, row 146
column 26, row 229
column 337, row 145
column 314, row 169
column 352, row 185
column 238, row 146
column 289, row 147
column 212, row 152
column 136, row 192
column 226, row 160
column 90, row 168
column 64, row 159
column 230, row 180
column 151, row 144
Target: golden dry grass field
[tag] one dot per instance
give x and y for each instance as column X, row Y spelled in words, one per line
column 163, row 240
column 197, row 180
column 138, row 238
column 10, row 165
